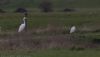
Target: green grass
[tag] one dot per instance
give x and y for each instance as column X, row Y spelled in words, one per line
column 83, row 17
column 54, row 53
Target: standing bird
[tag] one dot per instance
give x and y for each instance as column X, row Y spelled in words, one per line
column 22, row 26
column 73, row 29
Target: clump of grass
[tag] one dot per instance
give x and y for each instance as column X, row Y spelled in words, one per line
column 77, row 48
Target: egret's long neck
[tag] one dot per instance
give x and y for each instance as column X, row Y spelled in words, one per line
column 24, row 20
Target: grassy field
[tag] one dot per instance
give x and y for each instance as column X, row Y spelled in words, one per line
column 48, row 33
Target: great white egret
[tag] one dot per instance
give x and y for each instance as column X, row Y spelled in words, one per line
column 73, row 29
column 22, row 26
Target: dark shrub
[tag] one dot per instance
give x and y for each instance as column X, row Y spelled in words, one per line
column 96, row 41
column 46, row 6
column 68, row 10
column 21, row 10
column 2, row 11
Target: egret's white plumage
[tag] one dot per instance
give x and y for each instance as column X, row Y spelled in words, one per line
column 73, row 28
column 22, row 26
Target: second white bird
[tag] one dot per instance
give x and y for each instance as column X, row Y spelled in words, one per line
column 73, row 29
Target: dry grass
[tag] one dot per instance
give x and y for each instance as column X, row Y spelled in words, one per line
column 29, row 40
column 46, row 37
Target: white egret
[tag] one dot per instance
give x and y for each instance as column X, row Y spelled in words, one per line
column 73, row 29
column 22, row 26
